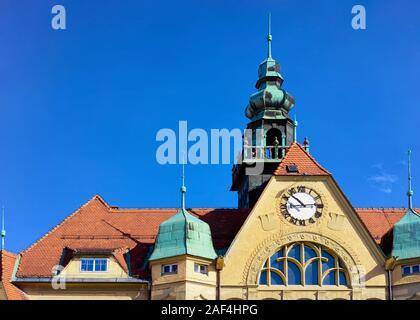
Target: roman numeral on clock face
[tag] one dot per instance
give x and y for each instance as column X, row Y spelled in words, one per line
column 283, row 208
column 301, row 189
column 293, row 220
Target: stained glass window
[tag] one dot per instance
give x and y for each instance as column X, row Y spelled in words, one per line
column 303, row 263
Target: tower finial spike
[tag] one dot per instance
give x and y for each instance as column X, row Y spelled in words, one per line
column 3, row 230
column 269, row 36
column 410, row 190
column 183, row 188
column 295, row 125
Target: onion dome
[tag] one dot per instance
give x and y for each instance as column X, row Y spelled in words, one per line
column 271, row 101
column 406, row 233
column 183, row 234
column 406, row 239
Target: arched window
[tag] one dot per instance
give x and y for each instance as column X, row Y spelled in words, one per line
column 303, row 263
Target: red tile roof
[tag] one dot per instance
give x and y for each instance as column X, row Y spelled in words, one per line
column 7, row 264
column 307, row 165
column 98, row 226
column 380, row 220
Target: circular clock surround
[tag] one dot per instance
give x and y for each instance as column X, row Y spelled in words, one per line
column 301, row 205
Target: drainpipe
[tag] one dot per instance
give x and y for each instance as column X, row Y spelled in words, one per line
column 149, row 289
column 389, row 266
column 390, row 295
column 217, row 284
column 219, row 266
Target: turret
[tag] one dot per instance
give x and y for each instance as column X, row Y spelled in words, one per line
column 269, row 133
column 183, row 259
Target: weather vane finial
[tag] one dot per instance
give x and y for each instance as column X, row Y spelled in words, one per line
column 269, row 36
column 183, row 187
column 410, row 190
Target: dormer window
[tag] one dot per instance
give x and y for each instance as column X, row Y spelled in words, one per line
column 94, row 265
column 169, row 269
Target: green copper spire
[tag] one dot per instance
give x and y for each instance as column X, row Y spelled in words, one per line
column 410, row 190
column 183, row 234
column 406, row 240
column 270, row 101
column 183, row 187
column 269, row 36
column 3, row 230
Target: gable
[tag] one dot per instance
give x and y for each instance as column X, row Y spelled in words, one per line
column 267, row 229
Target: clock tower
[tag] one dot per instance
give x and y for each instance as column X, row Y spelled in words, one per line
column 269, row 133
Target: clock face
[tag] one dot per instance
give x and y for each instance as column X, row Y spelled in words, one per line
column 301, row 206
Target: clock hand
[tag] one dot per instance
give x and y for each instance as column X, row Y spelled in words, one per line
column 294, row 206
column 298, row 201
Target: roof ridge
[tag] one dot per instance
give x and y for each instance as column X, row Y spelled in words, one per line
column 300, row 148
column 95, row 197
column 313, row 159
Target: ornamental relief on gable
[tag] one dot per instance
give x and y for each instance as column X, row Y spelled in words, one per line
column 336, row 221
column 269, row 221
column 272, row 243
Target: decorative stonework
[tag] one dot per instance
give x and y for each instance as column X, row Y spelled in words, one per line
column 336, row 221
column 269, row 221
column 272, row 243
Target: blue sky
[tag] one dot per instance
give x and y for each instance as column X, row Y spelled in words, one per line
column 80, row 108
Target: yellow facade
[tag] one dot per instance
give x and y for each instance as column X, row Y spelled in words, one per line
column 186, row 284
column 70, row 285
column 338, row 229
column 72, row 269
column 407, row 287
column 86, row 291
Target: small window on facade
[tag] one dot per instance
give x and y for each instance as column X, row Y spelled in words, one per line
column 94, row 265
column 200, row 268
column 409, row 270
column 169, row 269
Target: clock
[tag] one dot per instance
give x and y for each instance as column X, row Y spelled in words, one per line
column 301, row 206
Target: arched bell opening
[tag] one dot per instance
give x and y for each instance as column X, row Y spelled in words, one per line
column 273, row 142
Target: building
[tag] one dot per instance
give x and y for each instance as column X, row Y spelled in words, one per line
column 294, row 235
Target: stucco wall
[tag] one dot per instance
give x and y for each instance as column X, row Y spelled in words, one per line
column 338, row 229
